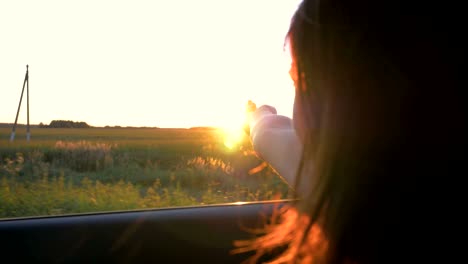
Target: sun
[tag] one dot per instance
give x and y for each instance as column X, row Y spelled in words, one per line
column 233, row 137
column 232, row 131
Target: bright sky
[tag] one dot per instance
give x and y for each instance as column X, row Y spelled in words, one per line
column 144, row 63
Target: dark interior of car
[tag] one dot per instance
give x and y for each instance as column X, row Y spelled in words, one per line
column 172, row 235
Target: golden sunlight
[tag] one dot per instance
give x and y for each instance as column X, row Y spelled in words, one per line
column 233, row 129
column 232, row 137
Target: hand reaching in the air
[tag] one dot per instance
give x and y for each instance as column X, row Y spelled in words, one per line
column 249, row 110
column 252, row 113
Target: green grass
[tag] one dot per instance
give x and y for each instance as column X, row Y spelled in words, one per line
column 64, row 171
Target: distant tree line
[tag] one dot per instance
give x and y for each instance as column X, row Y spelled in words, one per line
column 10, row 125
column 65, row 124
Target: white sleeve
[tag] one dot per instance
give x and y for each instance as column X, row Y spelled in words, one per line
column 275, row 141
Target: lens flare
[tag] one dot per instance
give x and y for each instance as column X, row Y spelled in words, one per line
column 233, row 137
column 232, row 132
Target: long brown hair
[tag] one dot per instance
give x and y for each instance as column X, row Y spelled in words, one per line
column 376, row 108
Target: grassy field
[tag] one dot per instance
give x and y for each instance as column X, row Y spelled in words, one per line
column 63, row 171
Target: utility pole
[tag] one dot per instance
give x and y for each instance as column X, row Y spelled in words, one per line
column 28, row 131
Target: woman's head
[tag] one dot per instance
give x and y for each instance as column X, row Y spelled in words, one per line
column 370, row 78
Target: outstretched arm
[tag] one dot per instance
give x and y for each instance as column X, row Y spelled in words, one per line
column 275, row 141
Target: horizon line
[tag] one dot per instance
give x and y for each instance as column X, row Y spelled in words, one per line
column 4, row 125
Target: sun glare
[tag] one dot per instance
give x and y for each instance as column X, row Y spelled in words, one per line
column 232, row 137
column 233, row 129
